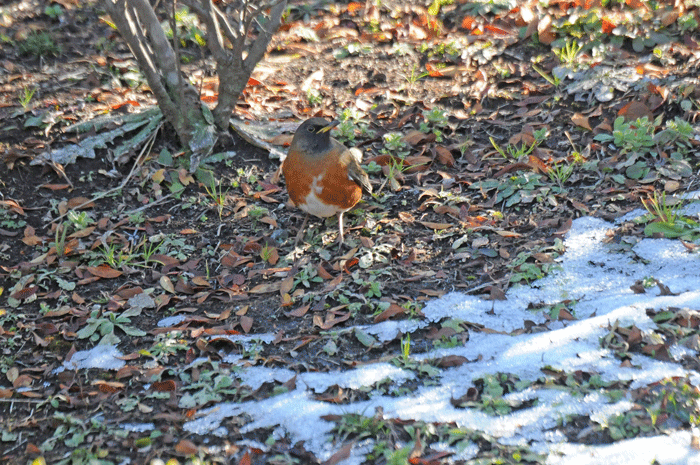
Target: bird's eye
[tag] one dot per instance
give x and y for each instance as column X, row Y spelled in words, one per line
column 310, row 129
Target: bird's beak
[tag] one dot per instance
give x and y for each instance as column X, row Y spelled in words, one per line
column 329, row 126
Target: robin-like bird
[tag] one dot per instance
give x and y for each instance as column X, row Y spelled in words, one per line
column 323, row 177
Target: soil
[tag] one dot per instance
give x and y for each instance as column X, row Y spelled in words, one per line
column 429, row 231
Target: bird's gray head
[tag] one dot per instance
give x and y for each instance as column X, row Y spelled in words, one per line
column 314, row 134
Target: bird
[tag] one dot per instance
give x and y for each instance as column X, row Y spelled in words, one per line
column 323, row 177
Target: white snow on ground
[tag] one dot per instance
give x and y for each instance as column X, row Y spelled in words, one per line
column 597, row 279
column 102, row 356
column 590, row 274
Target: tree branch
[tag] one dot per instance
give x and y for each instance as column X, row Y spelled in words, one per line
column 259, row 47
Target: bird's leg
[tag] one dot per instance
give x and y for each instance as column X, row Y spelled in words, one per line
column 301, row 230
column 340, row 229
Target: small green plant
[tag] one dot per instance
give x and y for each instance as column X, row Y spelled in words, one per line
column 553, row 80
column 166, row 345
column 314, row 97
column 115, row 256
column 413, row 310
column 687, row 22
column 526, row 268
column 256, row 213
column 525, row 187
column 393, row 142
column 492, row 389
column 446, row 50
column 352, row 49
column 137, row 218
column 79, row 221
column 374, row 289
column 26, row 96
column 412, row 78
column 635, row 137
column 568, row 53
column 212, row 386
column 358, row 427
column 350, row 125
column 101, row 326
column 560, row 173
column 406, row 349
column 434, row 120
column 188, row 28
column 434, row 8
column 53, row 11
column 517, row 153
column 218, row 195
column 667, row 220
column 306, row 276
column 76, row 434
column 676, row 135
column 39, row 44
column 405, row 361
column 59, row 242
column 10, row 220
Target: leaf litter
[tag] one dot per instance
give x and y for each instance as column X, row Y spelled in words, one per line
column 486, row 164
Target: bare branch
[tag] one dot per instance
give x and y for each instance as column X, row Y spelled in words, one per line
column 258, row 48
column 127, row 22
column 163, row 52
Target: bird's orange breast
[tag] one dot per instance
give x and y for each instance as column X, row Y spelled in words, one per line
column 319, row 185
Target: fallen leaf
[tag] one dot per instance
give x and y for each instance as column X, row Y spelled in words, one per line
column 451, row 361
column 580, row 120
column 444, row 156
column 435, row 226
column 246, row 324
column 104, row 271
column 185, row 447
column 266, row 288
column 79, row 203
column 391, row 312
column 167, row 284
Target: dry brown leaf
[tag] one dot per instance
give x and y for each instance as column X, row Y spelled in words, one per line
column 55, row 187
column 433, row 293
column 544, row 30
column 333, row 284
column 635, row 110
column 82, row 233
column 30, row 238
column 451, row 361
column 104, row 271
column 342, row 454
column 79, row 202
column 415, row 137
column 267, row 288
column 444, row 156
column 166, row 284
column 503, row 233
column 246, row 324
column 287, row 284
column 435, row 226
column 185, row 177
column 185, row 447
column 406, row 217
column 391, row 312
column 12, row 205
column 272, row 256
column 580, row 120
column 299, row 312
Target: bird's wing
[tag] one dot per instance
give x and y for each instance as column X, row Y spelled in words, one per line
column 357, row 174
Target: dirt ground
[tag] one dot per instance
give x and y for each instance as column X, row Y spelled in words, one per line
column 430, row 104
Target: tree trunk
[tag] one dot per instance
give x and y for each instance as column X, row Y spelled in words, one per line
column 228, row 40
